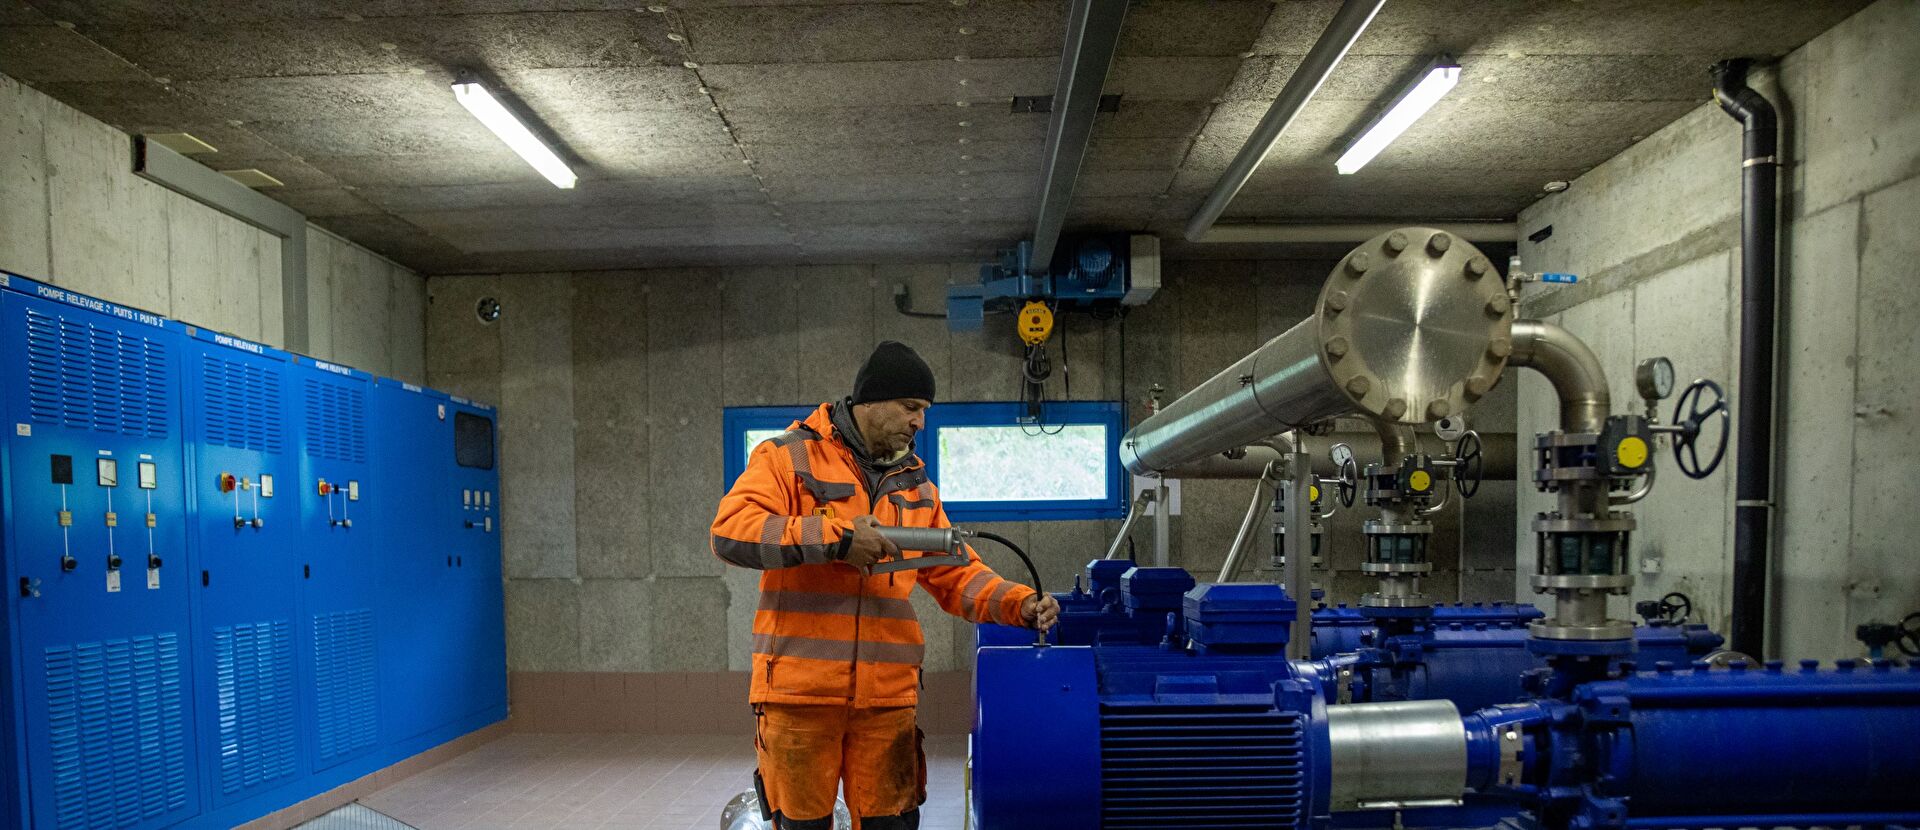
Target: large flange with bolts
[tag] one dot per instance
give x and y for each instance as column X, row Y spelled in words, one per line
column 1414, row 285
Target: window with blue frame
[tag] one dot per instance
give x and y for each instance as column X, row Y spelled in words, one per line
column 990, row 464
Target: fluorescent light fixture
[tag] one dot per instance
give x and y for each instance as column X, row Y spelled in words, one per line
column 504, row 124
column 1434, row 84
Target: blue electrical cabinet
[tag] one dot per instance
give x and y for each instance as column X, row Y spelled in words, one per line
column 339, row 547
column 472, row 469
column 243, row 487
column 237, row 577
column 416, row 572
column 101, row 685
column 442, row 635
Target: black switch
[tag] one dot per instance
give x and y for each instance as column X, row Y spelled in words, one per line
column 63, row 469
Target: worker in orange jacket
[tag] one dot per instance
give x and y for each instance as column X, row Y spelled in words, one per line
column 836, row 652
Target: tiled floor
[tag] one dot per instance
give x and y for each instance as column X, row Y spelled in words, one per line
column 644, row 782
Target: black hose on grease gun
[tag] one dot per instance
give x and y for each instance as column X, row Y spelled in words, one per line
column 944, row 546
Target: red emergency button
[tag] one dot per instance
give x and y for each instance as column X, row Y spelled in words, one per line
column 325, row 488
column 228, row 482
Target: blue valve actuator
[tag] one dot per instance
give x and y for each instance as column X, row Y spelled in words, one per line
column 1565, row 278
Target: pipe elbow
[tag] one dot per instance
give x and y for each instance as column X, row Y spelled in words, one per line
column 1738, row 99
column 1567, row 363
column 1396, row 441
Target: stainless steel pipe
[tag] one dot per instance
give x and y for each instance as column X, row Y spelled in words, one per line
column 1410, row 327
column 1397, row 441
column 1568, row 364
column 1259, row 507
column 1497, row 450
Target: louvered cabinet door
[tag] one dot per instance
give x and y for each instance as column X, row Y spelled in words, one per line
column 339, row 549
column 243, row 478
column 96, row 561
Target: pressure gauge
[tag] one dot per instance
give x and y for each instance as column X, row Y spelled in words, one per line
column 1341, row 454
column 1450, row 428
column 1654, row 377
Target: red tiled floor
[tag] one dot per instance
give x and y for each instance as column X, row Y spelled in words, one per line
column 592, row 781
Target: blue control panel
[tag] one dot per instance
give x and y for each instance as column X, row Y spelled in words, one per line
column 236, row 577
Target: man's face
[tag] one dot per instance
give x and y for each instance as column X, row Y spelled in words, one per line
column 889, row 426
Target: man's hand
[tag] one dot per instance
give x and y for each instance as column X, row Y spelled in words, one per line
column 868, row 545
column 1040, row 611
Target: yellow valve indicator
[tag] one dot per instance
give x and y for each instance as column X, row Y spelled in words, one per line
column 1420, row 481
column 1313, row 492
column 1036, row 322
column 1632, row 452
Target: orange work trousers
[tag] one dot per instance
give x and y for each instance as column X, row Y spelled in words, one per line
column 805, row 751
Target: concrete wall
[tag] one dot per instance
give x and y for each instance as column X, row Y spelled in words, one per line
column 73, row 213
column 1654, row 232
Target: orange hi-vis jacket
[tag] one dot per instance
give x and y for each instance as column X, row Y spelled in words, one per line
column 826, row 632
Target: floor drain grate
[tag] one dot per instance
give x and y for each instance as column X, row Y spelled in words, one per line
column 356, row 817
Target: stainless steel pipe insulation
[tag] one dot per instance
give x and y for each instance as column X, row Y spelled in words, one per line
column 1399, row 755
column 1568, row 364
column 1410, row 327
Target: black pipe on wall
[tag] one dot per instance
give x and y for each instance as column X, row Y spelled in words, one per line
column 1753, row 411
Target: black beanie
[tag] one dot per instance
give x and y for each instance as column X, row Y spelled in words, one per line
column 894, row 370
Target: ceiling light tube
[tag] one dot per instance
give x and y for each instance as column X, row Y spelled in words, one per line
column 508, row 127
column 1413, row 102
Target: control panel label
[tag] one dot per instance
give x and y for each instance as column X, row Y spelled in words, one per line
column 102, row 306
column 237, row 343
column 330, row 367
column 113, row 580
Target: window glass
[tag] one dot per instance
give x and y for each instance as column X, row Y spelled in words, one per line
column 755, row 436
column 1019, row 463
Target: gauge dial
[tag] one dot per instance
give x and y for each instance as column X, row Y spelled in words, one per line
column 1654, row 377
column 1341, row 454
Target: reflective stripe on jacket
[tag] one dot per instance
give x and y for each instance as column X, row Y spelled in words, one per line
column 824, row 632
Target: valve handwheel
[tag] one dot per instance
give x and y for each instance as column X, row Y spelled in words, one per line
column 1348, row 484
column 1468, row 463
column 1678, row 607
column 1691, row 414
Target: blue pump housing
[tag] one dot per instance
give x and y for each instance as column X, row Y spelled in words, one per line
column 1702, row 747
column 1472, row 654
column 1222, row 732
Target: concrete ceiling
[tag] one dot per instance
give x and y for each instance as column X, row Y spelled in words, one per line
column 761, row 131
